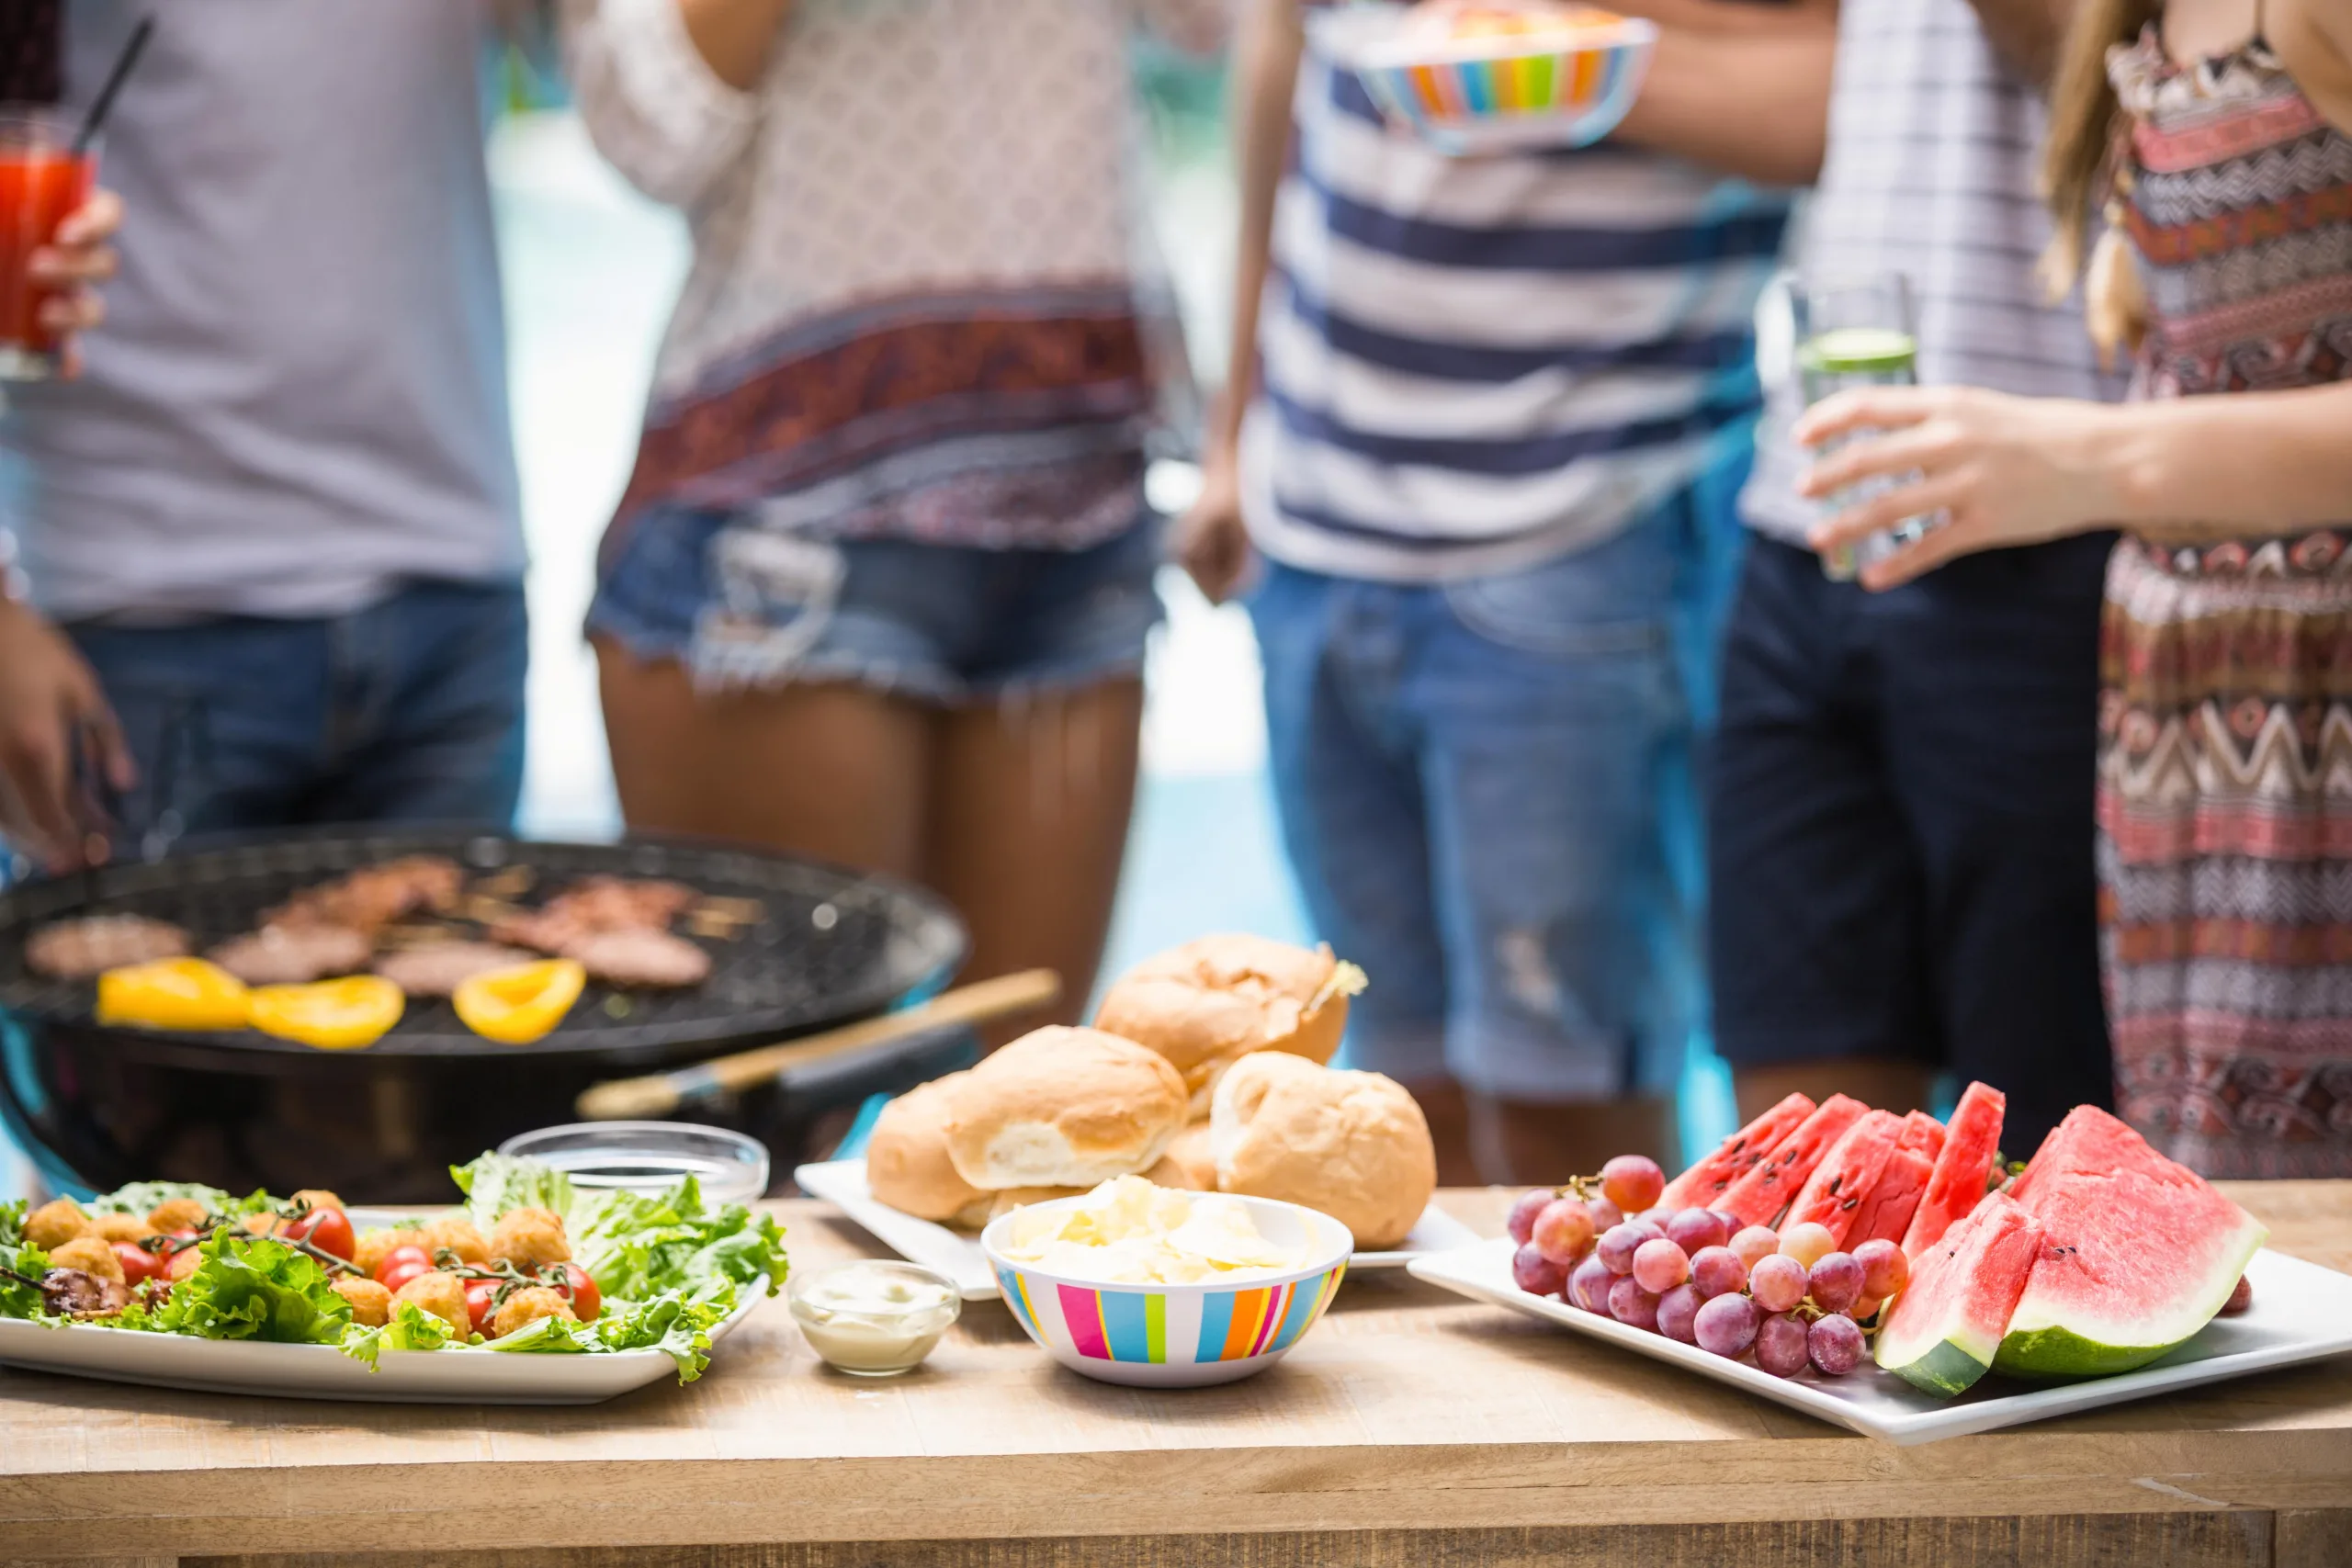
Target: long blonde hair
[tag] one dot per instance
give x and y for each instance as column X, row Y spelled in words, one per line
column 2083, row 123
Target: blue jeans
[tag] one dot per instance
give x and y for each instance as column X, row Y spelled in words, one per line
column 1470, row 777
column 410, row 710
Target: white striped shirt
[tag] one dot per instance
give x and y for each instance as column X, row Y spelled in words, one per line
column 1472, row 363
column 1933, row 146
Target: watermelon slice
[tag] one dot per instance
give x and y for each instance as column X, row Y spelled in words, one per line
column 1887, row 1214
column 1972, row 1142
column 1766, row 1189
column 1945, row 1329
column 1924, row 1133
column 1832, row 1194
column 2139, row 1253
column 1699, row 1187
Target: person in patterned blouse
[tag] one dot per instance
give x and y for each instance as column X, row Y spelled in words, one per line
column 2215, row 137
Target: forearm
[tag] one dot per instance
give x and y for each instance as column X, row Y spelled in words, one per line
column 733, row 36
column 1741, row 88
column 2026, row 34
column 1265, row 72
column 2222, row 466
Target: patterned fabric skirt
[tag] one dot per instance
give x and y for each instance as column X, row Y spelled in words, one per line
column 2225, row 850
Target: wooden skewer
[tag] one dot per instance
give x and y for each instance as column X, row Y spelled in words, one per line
column 660, row 1093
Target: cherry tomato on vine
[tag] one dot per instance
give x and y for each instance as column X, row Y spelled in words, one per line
column 329, row 1230
column 392, row 1276
column 397, row 1257
column 587, row 1301
column 138, row 1263
column 480, row 1302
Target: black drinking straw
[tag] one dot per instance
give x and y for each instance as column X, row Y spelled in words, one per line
column 131, row 49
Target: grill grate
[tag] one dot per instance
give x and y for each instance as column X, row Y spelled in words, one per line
column 828, row 945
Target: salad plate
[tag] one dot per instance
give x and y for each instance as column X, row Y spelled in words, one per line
column 2301, row 1313
column 957, row 1254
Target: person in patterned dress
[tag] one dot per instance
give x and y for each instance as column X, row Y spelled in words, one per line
column 2215, row 139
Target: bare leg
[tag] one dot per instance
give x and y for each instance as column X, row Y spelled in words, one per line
column 1029, row 805
column 833, row 771
column 1522, row 1144
column 1890, row 1086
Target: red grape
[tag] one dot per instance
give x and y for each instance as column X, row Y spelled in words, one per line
column 1835, row 1345
column 1717, row 1271
column 1632, row 1306
column 1617, row 1244
column 1676, row 1311
column 1521, row 1220
column 1807, row 1241
column 1530, row 1270
column 1780, row 1346
column 1588, row 1284
column 1776, row 1283
column 2241, row 1298
column 1866, row 1309
column 1725, row 1325
column 1633, row 1182
column 1755, row 1242
column 1834, row 1281
column 1730, row 1222
column 1694, row 1229
column 1884, row 1268
column 1563, row 1230
column 1659, row 1266
column 1605, row 1214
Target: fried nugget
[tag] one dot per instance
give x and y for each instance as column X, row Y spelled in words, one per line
column 183, row 1263
column 529, row 1237
column 442, row 1295
column 317, row 1197
column 371, row 1304
column 175, row 1214
column 91, row 1256
column 371, row 1247
column 528, row 1305
column 56, row 1223
column 119, row 1227
column 457, row 1234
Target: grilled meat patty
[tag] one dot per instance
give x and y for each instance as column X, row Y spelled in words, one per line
column 439, row 968
column 86, row 948
column 293, row 955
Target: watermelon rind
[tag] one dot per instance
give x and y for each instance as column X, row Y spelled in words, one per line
column 2042, row 1348
column 1943, row 1332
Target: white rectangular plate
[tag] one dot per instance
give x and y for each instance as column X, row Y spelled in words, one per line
column 2301, row 1313
column 456, row 1376
column 841, row 1182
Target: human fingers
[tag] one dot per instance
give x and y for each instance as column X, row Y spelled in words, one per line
column 37, row 763
column 54, row 267
column 1867, row 408
column 1922, row 498
column 1931, row 550
column 1913, row 449
column 95, row 220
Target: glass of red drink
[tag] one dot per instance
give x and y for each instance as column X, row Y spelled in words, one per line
column 42, row 180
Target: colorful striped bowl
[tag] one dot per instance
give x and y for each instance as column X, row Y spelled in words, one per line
column 1567, row 89
column 1180, row 1336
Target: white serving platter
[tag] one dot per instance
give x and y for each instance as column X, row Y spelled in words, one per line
column 841, row 1182
column 2301, row 1313
column 448, row 1376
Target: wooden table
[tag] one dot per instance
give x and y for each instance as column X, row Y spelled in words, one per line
column 1412, row 1427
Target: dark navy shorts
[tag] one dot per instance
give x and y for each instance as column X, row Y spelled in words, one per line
column 1899, row 823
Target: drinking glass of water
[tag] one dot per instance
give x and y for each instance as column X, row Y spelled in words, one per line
column 1859, row 333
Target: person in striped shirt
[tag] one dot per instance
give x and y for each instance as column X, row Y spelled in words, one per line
column 1472, row 398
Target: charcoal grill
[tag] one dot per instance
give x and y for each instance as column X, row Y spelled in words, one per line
column 101, row 1105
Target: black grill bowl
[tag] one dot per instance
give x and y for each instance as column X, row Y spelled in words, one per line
column 101, row 1106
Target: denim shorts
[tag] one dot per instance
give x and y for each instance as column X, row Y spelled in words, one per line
column 1473, row 781
column 742, row 605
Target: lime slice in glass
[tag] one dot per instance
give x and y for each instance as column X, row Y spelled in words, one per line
column 1852, row 350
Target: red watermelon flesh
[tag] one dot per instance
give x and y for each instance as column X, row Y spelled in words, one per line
column 2138, row 1253
column 1924, row 1133
column 1833, row 1195
column 1755, row 1198
column 1972, row 1142
column 1887, row 1214
column 1946, row 1329
column 1704, row 1183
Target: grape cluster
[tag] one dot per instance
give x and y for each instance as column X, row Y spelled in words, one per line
column 1790, row 1299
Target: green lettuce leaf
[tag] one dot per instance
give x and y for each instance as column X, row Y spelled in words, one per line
column 23, row 1261
column 145, row 1197
column 678, row 1324
column 410, row 1327
column 640, row 1245
column 495, row 1183
column 253, row 1287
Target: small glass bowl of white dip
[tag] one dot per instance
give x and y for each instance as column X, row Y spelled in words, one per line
column 874, row 1317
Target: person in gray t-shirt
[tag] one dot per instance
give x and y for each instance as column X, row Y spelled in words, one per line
column 275, row 516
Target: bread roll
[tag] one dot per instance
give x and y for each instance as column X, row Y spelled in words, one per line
column 906, row 1157
column 1062, row 1107
column 1352, row 1144
column 1188, row 1163
column 1208, row 1003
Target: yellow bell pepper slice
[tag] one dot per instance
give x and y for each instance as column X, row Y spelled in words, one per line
column 334, row 1015
column 173, row 993
column 517, row 1005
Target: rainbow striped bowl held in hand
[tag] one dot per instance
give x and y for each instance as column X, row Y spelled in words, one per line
column 1180, row 1336
column 1492, row 76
